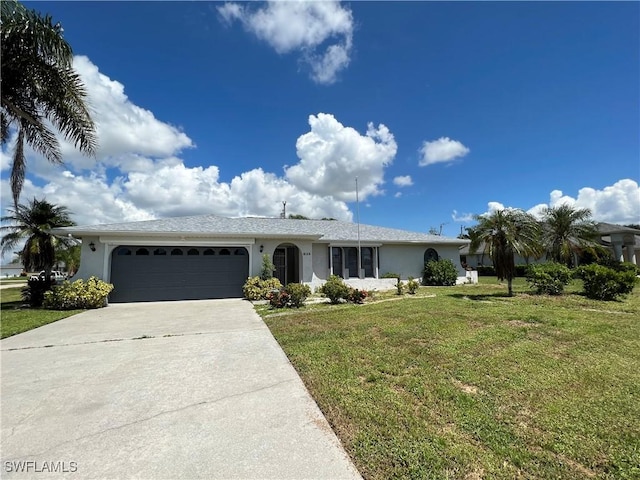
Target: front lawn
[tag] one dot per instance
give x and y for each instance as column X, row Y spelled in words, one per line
column 17, row 320
column 473, row 384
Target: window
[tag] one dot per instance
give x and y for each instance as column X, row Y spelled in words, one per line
column 142, row 251
column 193, row 251
column 159, row 251
column 209, row 251
column 124, row 251
column 225, row 251
column 176, row 251
column 240, row 251
column 367, row 261
column 431, row 255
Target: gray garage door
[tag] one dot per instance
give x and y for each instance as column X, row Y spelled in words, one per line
column 149, row 274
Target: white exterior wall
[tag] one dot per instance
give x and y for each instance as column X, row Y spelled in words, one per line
column 92, row 263
column 408, row 260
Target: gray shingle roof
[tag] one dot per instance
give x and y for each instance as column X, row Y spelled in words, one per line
column 204, row 225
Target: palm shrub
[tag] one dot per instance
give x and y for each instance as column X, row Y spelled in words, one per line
column 549, row 278
column 255, row 288
column 399, row 287
column 79, row 294
column 33, row 293
column 439, row 273
column 604, row 283
column 335, row 289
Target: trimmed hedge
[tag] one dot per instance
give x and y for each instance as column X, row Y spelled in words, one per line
column 549, row 278
column 439, row 273
column 604, row 283
column 489, row 271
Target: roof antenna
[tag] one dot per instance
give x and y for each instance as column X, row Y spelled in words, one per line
column 283, row 214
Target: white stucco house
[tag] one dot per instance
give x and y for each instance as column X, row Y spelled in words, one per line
column 209, row 256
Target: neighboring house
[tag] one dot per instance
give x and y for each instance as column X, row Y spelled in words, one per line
column 11, row 270
column 624, row 243
column 481, row 259
column 211, row 257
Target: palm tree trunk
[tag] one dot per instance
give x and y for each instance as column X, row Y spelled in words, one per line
column 510, row 286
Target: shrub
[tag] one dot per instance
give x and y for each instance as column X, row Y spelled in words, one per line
column 255, row 288
column 391, row 275
column 34, row 292
column 278, row 298
column 489, row 271
column 335, row 289
column 357, row 296
column 267, row 269
column 412, row 285
column 399, row 287
column 298, row 293
column 440, row 272
column 79, row 294
column 548, row 278
column 603, row 283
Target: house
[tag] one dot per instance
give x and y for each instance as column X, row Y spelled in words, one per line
column 11, row 270
column 479, row 258
column 624, row 242
column 209, row 256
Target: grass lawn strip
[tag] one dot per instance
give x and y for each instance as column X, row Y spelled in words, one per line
column 473, row 384
column 15, row 319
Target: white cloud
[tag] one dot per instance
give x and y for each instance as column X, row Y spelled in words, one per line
column 301, row 26
column 141, row 177
column 618, row 203
column 403, row 181
column 463, row 217
column 332, row 156
column 123, row 128
column 442, row 150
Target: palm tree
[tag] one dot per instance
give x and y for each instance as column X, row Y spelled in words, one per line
column 32, row 223
column 568, row 231
column 506, row 233
column 39, row 88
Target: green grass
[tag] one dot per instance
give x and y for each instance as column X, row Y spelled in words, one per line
column 15, row 319
column 474, row 384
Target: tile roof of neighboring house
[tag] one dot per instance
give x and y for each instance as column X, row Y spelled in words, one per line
column 609, row 228
column 204, row 225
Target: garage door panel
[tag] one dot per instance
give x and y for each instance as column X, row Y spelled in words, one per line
column 152, row 277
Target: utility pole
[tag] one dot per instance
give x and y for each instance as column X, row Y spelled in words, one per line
column 358, row 220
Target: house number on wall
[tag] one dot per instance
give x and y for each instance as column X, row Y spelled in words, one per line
column 306, row 253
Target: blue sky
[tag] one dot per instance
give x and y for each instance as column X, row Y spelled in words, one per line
column 441, row 109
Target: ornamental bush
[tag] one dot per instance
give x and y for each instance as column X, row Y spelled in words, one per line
column 412, row 285
column 604, row 283
column 335, row 289
column 298, row 293
column 357, row 296
column 439, row 273
column 267, row 269
column 293, row 296
column 255, row 288
column 78, row 295
column 549, row 278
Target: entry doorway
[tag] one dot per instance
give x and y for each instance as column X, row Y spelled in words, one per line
column 286, row 259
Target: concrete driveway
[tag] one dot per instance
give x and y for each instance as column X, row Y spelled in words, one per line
column 193, row 389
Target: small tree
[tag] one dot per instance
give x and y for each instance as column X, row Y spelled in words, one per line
column 267, row 269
